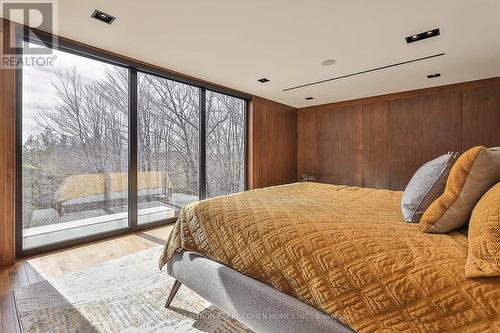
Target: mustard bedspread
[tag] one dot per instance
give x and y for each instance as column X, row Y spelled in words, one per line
column 345, row 251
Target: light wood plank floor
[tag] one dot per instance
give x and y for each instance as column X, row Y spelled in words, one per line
column 161, row 233
column 77, row 259
column 31, row 270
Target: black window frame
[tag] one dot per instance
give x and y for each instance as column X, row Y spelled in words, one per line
column 134, row 67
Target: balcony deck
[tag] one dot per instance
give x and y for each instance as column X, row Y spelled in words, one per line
column 54, row 233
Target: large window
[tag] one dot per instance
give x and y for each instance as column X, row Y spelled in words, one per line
column 108, row 146
column 225, row 144
column 168, row 146
column 74, row 149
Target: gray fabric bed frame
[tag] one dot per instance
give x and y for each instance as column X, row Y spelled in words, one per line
column 253, row 303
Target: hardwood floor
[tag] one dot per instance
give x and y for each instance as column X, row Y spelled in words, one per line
column 77, row 259
column 35, row 269
column 161, row 233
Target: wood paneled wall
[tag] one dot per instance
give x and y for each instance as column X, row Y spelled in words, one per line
column 421, row 128
column 381, row 141
column 375, row 145
column 272, row 143
column 7, row 156
column 339, row 147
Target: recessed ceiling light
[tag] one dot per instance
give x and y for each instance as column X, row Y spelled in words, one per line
column 263, row 80
column 328, row 62
column 309, row 98
column 102, row 16
column 432, row 76
column 422, row 35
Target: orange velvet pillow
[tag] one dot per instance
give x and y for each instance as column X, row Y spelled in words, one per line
column 474, row 173
column 484, row 236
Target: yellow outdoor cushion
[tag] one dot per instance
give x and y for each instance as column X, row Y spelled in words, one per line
column 474, row 173
column 484, row 236
column 79, row 186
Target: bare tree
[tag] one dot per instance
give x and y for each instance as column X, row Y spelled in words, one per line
column 225, row 144
column 86, row 131
column 175, row 110
column 90, row 114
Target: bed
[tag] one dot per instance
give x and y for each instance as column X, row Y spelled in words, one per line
column 341, row 251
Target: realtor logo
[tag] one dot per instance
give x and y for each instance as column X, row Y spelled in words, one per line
column 30, row 16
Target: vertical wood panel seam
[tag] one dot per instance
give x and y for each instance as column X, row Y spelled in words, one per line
column 461, row 121
column 296, row 140
column 362, row 145
column 389, row 143
column 268, row 143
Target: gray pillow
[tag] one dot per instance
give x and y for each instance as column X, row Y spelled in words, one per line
column 426, row 185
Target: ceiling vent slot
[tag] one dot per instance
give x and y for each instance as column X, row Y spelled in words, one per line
column 365, row 71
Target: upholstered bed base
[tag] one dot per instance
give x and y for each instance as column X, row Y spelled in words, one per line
column 253, row 303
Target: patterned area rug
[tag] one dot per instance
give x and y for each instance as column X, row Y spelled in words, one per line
column 123, row 295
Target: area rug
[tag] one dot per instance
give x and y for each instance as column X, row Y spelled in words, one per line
column 123, row 295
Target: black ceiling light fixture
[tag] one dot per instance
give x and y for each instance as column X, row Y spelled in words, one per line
column 102, row 16
column 422, row 35
column 263, row 80
column 309, row 98
column 432, row 76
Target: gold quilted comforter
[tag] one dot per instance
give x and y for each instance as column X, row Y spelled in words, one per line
column 347, row 252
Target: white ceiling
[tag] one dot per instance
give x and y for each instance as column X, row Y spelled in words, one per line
column 235, row 42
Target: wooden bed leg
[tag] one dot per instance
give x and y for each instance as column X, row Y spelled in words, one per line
column 173, row 292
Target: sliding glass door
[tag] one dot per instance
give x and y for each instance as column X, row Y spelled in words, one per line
column 107, row 146
column 74, row 149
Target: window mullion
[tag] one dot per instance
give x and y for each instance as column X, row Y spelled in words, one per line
column 132, row 152
column 203, row 146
